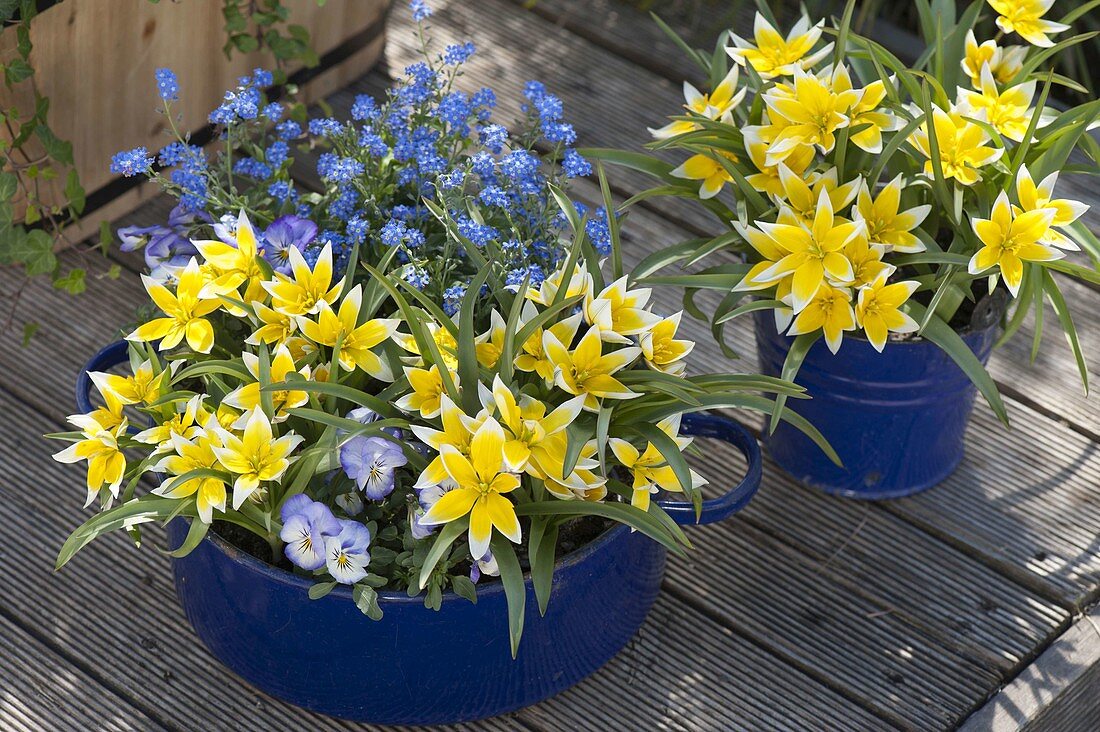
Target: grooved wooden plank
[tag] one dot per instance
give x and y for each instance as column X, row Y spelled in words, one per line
column 684, row 671
column 874, row 557
column 1060, row 692
column 42, row 690
column 768, row 590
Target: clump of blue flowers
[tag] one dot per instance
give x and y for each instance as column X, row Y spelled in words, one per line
column 422, row 182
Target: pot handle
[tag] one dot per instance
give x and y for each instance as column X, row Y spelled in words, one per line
column 733, row 500
column 109, row 356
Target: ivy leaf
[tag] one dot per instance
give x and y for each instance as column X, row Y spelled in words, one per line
column 58, row 149
column 8, row 185
column 35, row 252
column 244, row 42
column 75, row 192
column 72, row 283
column 16, row 71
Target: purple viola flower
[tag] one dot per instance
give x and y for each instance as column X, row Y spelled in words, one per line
column 225, row 229
column 363, row 415
column 286, row 233
column 307, row 525
column 136, row 237
column 168, row 248
column 426, row 497
column 418, row 530
column 347, row 554
column 371, row 463
column 181, row 218
column 486, row 565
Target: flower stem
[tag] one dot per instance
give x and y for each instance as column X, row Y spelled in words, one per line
column 276, row 545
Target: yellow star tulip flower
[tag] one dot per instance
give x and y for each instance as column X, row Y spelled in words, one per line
column 650, row 469
column 1034, row 197
column 587, row 370
column 234, row 265
column 356, row 341
column 481, row 485
column 1008, row 241
column 584, row 483
column 619, row 312
column 247, row 396
column 866, row 261
column 193, row 454
column 1004, row 62
column 1025, row 17
column 457, row 430
column 717, row 105
column 445, row 342
column 816, row 253
column 534, row 356
column 815, row 110
column 490, row 344
column 274, row 327
column 886, row 226
column 767, row 180
column 660, row 348
column 185, row 423
column 772, row 55
column 303, row 293
column 770, row 251
column 831, row 311
column 535, row 441
column 867, row 111
column 184, row 310
column 961, row 144
column 799, row 198
column 143, row 387
column 580, row 282
column 256, row 456
column 708, row 170
column 1008, row 111
column 877, row 310
column 427, row 391
column 106, row 463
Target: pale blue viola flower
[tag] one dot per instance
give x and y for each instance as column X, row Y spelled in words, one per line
column 371, row 463
column 426, row 497
column 486, row 565
column 307, row 525
column 348, row 553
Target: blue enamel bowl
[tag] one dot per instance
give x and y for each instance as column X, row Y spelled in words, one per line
column 421, row 666
column 897, row 419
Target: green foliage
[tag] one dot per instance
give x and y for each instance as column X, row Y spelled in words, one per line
column 253, row 26
column 30, row 160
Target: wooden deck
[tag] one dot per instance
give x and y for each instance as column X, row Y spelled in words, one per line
column 966, row 606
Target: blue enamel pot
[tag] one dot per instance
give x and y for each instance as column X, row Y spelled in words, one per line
column 896, row 418
column 421, row 666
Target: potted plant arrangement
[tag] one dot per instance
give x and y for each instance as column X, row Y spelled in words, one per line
column 891, row 223
column 378, row 396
